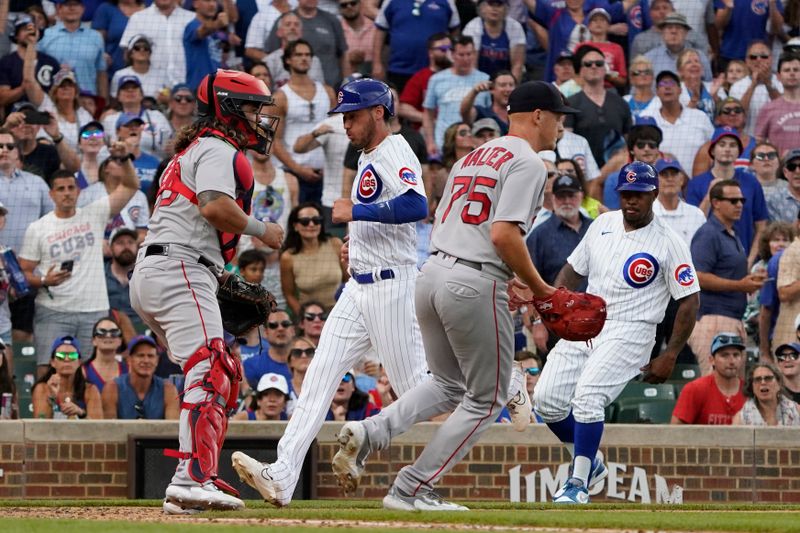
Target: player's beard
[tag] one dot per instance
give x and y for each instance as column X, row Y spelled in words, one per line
column 369, row 133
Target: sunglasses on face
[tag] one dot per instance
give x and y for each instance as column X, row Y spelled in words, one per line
column 463, row 133
column 443, row 48
column 645, row 72
column 300, row 352
column 732, row 111
column 8, row 146
column 764, row 379
column 786, row 356
column 597, row 63
column 532, row 371
column 311, row 316
column 791, row 167
column 347, row 378
column 734, row 201
column 111, row 332
column 641, row 145
column 765, row 156
column 64, row 356
column 141, row 48
column 753, row 57
column 93, row 134
column 183, row 99
column 282, row 323
column 305, row 221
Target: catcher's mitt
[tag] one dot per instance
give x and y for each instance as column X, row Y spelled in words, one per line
column 243, row 305
column 573, row 316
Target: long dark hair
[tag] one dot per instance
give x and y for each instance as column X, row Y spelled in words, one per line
column 293, row 242
column 94, row 328
column 78, row 383
column 6, row 382
column 189, row 133
column 358, row 400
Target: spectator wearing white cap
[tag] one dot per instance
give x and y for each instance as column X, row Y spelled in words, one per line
column 484, row 130
column 269, row 401
column 140, row 394
column 110, row 20
column 138, row 58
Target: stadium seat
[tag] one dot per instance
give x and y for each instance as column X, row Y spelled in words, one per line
column 24, row 376
column 637, row 392
column 652, row 412
column 683, row 373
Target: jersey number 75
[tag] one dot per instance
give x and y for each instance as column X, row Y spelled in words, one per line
column 469, row 185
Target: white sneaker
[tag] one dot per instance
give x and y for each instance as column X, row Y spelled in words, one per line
column 348, row 463
column 519, row 407
column 255, row 474
column 205, row 496
column 175, row 509
column 395, row 500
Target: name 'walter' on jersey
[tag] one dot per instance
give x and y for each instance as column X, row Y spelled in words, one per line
column 635, row 271
column 503, row 180
column 386, row 172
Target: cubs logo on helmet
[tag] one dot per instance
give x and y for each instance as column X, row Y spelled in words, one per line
column 369, row 185
column 684, row 275
column 630, row 177
column 407, row 176
column 640, row 270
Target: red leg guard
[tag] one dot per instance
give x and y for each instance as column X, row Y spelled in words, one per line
column 208, row 419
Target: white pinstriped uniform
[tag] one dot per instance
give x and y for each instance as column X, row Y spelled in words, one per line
column 379, row 316
column 636, row 272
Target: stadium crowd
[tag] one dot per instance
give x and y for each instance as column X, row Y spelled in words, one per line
column 706, row 91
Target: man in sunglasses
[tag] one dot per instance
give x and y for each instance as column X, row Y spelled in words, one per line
column 716, row 396
column 722, row 269
column 278, row 334
column 725, row 148
column 779, row 119
column 788, row 358
column 760, row 87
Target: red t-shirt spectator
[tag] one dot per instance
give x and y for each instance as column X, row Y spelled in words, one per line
column 701, row 402
column 414, row 91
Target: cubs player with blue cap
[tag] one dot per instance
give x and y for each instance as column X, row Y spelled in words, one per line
column 635, row 262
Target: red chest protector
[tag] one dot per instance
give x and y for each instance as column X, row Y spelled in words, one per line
column 171, row 187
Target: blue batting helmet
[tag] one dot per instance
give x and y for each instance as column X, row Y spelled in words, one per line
column 637, row 176
column 361, row 94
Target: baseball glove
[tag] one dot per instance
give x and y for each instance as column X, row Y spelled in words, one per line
column 573, row 316
column 243, row 305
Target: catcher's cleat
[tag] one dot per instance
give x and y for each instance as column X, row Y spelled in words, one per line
column 205, row 496
column 255, row 474
column 519, row 407
column 176, row 509
column 396, row 500
column 348, row 463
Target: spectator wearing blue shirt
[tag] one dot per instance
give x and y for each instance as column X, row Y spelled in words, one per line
column 408, row 24
column 350, row 403
column 446, row 90
column 110, row 21
column 279, row 333
column 201, row 44
column 561, row 23
column 80, row 48
column 500, row 86
column 721, row 263
column 499, row 39
column 743, row 21
column 725, row 148
column 269, row 401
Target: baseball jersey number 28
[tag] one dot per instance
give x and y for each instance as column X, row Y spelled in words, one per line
column 468, row 185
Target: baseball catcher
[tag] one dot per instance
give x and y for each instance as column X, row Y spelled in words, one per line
column 178, row 286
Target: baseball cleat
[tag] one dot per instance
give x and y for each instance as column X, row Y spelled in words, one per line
column 255, row 474
column 599, row 473
column 395, row 500
column 573, row 491
column 205, row 496
column 176, row 509
column 519, row 407
column 348, row 463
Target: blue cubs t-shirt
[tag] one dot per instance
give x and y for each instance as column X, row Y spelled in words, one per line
column 203, row 54
column 748, row 23
column 495, row 53
column 146, row 166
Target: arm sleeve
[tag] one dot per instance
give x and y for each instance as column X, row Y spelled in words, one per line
column 579, row 258
column 30, row 249
column 256, row 33
column 455, row 20
column 762, row 123
column 788, row 267
column 703, row 250
column 592, row 170
column 686, row 407
column 382, row 20
column 521, row 183
column 474, row 29
column 190, row 34
column 430, row 94
column 214, row 170
column 516, row 35
column 680, row 275
column 100, row 60
column 760, row 210
column 408, row 207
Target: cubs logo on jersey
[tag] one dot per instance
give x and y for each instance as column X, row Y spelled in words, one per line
column 640, row 270
column 369, row 185
column 407, row 176
column 684, row 275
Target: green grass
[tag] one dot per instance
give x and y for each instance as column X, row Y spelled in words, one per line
column 717, row 517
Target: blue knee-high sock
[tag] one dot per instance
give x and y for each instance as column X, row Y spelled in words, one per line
column 587, row 442
column 564, row 429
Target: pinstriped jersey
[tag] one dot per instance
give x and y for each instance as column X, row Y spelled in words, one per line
column 385, row 173
column 637, row 271
column 502, row 180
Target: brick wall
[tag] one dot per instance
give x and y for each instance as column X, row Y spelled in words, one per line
column 63, row 459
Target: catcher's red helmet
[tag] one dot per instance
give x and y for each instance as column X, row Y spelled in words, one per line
column 222, row 95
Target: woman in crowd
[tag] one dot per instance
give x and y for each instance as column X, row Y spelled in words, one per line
column 63, row 392
column 91, row 143
column 301, row 352
column 349, row 403
column 592, row 207
column 731, row 113
column 694, row 91
column 458, row 142
column 7, row 385
column 311, row 320
column 642, row 93
column 766, row 404
column 62, row 102
column 110, row 20
column 310, row 266
column 138, row 55
column 105, row 363
column 269, row 400
column 260, row 70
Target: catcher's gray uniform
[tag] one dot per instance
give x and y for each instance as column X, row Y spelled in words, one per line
column 462, row 307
